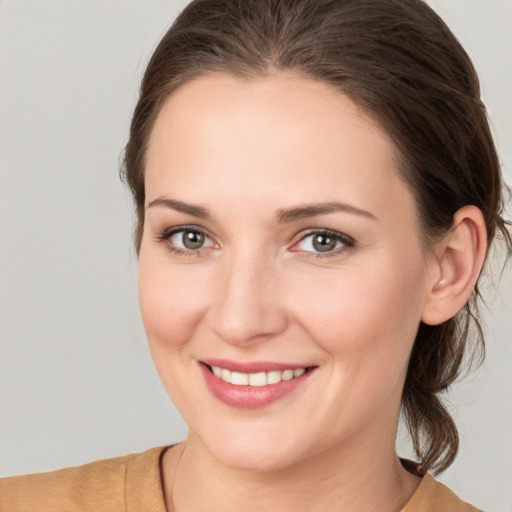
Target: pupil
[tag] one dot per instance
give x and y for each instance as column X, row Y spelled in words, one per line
column 324, row 243
column 193, row 239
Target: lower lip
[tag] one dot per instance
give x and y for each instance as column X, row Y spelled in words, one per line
column 250, row 397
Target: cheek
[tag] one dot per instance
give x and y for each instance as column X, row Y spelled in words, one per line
column 172, row 301
column 365, row 320
column 367, row 325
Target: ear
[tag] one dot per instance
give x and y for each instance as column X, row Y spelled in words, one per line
column 456, row 264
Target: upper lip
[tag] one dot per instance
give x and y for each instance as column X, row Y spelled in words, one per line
column 253, row 366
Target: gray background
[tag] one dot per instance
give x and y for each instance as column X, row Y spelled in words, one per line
column 76, row 379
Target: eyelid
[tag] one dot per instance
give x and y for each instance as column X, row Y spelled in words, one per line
column 166, row 235
column 347, row 242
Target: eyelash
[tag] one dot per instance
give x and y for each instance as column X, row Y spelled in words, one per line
column 347, row 242
column 165, row 236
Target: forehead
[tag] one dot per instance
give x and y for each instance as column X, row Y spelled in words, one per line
column 286, row 105
column 279, row 133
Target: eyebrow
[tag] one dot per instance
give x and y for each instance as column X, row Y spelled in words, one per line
column 173, row 204
column 283, row 216
column 313, row 210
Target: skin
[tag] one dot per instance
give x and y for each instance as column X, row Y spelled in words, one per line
column 258, row 291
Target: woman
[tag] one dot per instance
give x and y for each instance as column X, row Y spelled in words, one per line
column 316, row 189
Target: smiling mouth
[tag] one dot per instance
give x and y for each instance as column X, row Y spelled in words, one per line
column 257, row 379
column 251, row 385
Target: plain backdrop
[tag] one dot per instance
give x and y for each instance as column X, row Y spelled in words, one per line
column 76, row 380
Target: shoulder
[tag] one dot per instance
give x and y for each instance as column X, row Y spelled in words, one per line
column 104, row 485
column 433, row 496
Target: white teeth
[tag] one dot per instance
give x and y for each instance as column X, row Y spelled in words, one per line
column 239, row 379
column 273, row 377
column 287, row 375
column 256, row 379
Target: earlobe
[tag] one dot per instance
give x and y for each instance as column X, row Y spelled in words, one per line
column 459, row 258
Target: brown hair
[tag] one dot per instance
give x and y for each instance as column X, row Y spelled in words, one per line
column 397, row 60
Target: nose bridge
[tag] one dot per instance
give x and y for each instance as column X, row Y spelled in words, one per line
column 247, row 305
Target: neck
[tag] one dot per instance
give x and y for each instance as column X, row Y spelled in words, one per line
column 363, row 478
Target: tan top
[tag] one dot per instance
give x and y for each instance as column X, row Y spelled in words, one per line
column 133, row 484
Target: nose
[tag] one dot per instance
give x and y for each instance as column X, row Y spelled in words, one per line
column 247, row 307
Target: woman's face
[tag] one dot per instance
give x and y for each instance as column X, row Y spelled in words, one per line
column 278, row 236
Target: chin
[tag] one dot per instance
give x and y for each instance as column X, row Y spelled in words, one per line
column 258, row 453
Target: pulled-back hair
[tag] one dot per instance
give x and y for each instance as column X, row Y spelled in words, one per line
column 398, row 61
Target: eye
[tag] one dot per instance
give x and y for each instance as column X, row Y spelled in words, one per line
column 185, row 240
column 324, row 242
